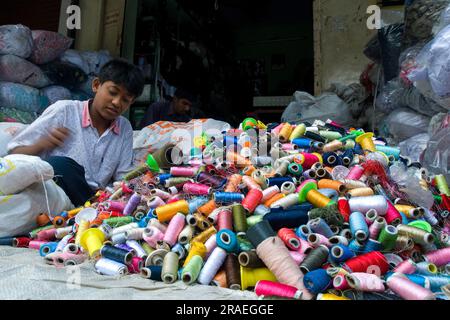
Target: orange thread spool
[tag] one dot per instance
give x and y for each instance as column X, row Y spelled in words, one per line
column 237, row 159
column 59, row 222
column 207, row 208
column 233, row 183
column 220, row 279
column 276, row 197
column 331, row 184
column 42, row 220
column 248, row 171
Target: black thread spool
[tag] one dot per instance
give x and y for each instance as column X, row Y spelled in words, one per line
column 315, row 259
column 232, row 270
column 116, row 254
column 250, row 259
column 314, row 136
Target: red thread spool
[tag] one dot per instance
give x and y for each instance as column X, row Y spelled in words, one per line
column 252, row 200
column 175, row 198
column 392, row 215
column 196, row 189
column 225, row 220
column 115, row 206
column 344, row 208
column 307, row 160
column 373, row 262
column 21, row 242
column 289, row 238
column 136, row 265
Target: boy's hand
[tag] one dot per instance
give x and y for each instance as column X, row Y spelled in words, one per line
column 55, row 139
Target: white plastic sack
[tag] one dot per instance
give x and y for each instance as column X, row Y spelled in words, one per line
column 56, row 93
column 18, row 212
column 17, row 172
column 96, row 60
column 16, row 40
column 404, row 123
column 7, row 132
column 75, row 57
column 157, row 135
column 309, row 108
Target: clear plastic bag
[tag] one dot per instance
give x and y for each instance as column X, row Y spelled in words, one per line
column 436, row 157
column 404, row 123
column 414, row 146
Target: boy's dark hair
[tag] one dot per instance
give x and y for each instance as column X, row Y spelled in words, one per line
column 182, row 93
column 125, row 74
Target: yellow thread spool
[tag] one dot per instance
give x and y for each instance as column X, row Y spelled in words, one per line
column 249, row 277
column 298, row 132
column 168, row 211
column 74, row 212
column 317, row 199
column 366, row 142
column 197, row 249
column 333, row 146
column 205, row 235
column 83, row 226
column 361, row 192
column 285, row 132
column 92, row 241
column 330, row 296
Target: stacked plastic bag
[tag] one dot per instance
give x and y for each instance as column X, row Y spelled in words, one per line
column 37, row 68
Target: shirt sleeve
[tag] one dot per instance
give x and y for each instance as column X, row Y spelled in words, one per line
column 52, row 118
column 126, row 154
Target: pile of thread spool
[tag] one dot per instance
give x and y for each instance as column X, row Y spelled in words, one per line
column 319, row 217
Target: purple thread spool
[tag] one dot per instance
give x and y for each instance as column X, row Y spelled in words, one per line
column 132, row 204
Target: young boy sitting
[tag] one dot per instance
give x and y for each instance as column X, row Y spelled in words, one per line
column 89, row 144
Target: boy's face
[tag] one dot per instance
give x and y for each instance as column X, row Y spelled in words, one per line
column 181, row 106
column 111, row 99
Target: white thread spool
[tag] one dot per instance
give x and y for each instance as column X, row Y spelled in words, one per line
column 286, row 202
column 110, row 268
column 212, row 265
column 140, row 252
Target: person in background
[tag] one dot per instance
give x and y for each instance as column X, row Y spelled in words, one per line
column 88, row 143
column 178, row 110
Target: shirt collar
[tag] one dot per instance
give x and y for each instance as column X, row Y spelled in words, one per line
column 86, row 119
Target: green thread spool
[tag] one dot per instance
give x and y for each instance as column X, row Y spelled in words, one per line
column 420, row 224
column 295, row 169
column 139, row 171
column 172, row 182
column 239, row 219
column 169, row 272
column 389, row 151
column 388, row 237
column 251, row 221
column 244, row 243
column 437, row 199
column 249, row 123
column 442, row 185
column 349, row 144
column 192, row 270
column 330, row 135
column 33, row 234
column 147, row 247
column 118, row 221
column 330, row 214
column 348, row 137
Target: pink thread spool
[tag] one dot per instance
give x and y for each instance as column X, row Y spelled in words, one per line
column 289, row 146
column 176, row 225
column 356, row 172
column 269, row 193
column 252, row 200
column 406, row 267
column 297, row 256
column 183, row 171
column 340, row 282
column 305, row 246
column 136, row 265
column 250, row 183
column 274, row 289
column 155, row 202
column 407, row 289
column 317, row 239
column 277, row 129
column 152, row 235
column 196, row 189
column 210, row 245
column 175, row 198
column 439, row 257
column 225, row 220
column 392, row 215
column 36, row 244
column 115, row 206
column 365, row 282
column 70, row 259
column 308, row 160
column 160, row 193
column 47, row 235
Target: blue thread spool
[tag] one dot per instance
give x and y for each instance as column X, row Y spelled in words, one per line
column 340, row 253
column 151, row 214
column 278, row 181
column 437, row 282
column 356, row 246
column 8, row 241
column 179, row 250
column 227, row 240
column 389, row 151
column 358, row 226
column 331, row 159
column 47, row 248
column 358, row 149
column 303, row 231
column 228, row 197
column 372, row 245
column 317, row 281
column 426, row 269
column 144, row 222
column 162, row 178
column 419, row 279
column 116, row 254
column 347, row 157
column 319, row 225
column 303, row 143
column 154, row 273
column 404, row 218
column 196, row 203
column 292, row 217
